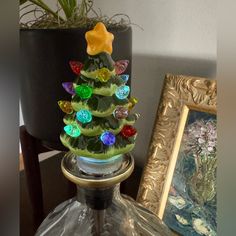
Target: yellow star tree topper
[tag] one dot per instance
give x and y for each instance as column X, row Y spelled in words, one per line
column 99, row 40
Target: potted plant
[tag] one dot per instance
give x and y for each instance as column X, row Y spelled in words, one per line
column 48, row 43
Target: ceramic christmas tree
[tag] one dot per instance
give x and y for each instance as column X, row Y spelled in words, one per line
column 99, row 123
column 99, row 133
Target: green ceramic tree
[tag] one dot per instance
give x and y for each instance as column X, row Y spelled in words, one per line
column 98, row 120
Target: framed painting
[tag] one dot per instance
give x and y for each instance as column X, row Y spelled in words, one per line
column 179, row 180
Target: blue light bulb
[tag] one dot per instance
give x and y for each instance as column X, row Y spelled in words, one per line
column 108, row 138
column 125, row 78
column 122, row 92
column 84, row 116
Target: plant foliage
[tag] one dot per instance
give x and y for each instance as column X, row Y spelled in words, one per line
column 69, row 14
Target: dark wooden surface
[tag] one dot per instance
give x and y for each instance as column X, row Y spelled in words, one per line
column 56, row 189
column 31, row 148
column 32, row 173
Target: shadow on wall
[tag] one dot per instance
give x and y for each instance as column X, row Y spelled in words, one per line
column 148, row 74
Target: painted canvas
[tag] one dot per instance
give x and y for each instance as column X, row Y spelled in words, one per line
column 191, row 205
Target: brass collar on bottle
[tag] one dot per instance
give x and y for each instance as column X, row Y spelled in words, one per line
column 88, row 181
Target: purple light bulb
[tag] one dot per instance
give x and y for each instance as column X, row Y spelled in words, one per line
column 68, row 86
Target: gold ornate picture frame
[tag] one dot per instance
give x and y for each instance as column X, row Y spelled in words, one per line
column 180, row 95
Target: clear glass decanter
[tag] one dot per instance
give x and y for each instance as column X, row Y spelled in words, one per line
column 99, row 209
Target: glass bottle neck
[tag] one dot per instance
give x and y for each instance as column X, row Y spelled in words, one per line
column 98, row 198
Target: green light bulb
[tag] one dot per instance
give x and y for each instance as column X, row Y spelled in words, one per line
column 84, row 91
column 72, row 130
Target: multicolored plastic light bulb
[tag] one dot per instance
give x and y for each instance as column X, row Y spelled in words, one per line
column 84, row 116
column 120, row 112
column 103, row 75
column 65, row 106
column 132, row 102
column 84, row 91
column 128, row 131
column 72, row 130
column 121, row 66
column 76, row 66
column 108, row 138
column 125, row 78
column 68, row 86
column 122, row 92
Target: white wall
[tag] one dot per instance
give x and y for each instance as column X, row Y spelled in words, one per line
column 171, row 27
column 179, row 37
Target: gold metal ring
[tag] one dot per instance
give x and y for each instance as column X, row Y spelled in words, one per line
column 99, row 183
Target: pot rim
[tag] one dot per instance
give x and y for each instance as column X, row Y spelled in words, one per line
column 115, row 28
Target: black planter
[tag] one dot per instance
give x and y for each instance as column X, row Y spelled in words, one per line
column 45, row 56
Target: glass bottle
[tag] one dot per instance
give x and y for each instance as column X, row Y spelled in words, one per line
column 99, row 209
